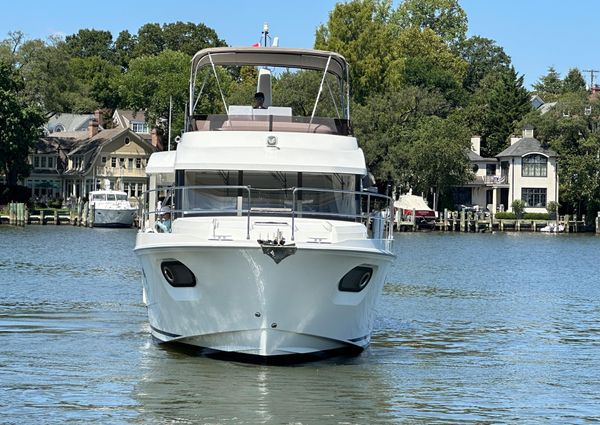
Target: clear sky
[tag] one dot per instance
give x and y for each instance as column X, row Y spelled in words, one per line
column 535, row 33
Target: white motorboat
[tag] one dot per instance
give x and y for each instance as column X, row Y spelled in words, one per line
column 414, row 209
column 274, row 253
column 112, row 208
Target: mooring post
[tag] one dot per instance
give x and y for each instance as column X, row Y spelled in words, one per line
column 20, row 215
column 92, row 217
column 11, row 218
column 462, row 220
column 84, row 215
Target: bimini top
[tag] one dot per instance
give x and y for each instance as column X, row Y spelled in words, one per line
column 272, row 56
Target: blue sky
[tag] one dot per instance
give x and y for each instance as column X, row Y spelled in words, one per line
column 535, row 33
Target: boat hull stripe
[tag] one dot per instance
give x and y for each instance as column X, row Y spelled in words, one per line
column 362, row 338
column 169, row 334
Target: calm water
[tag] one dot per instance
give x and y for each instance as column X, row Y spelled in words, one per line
column 501, row 328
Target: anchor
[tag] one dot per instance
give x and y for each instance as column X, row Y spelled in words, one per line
column 276, row 248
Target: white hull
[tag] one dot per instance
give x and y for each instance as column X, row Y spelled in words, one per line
column 114, row 217
column 244, row 302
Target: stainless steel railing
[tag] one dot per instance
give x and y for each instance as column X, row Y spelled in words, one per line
column 371, row 209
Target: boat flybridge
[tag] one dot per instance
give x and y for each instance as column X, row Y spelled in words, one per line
column 272, row 250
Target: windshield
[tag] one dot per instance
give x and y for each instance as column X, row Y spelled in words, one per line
column 270, row 190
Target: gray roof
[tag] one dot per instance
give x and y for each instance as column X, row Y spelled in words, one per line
column 124, row 117
column 68, row 122
column 474, row 157
column 526, row 146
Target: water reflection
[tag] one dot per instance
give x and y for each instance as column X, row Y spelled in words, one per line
column 186, row 389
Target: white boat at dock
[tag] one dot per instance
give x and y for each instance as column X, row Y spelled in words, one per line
column 275, row 253
column 111, row 208
column 413, row 209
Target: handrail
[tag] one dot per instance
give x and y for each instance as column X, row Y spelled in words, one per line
column 363, row 215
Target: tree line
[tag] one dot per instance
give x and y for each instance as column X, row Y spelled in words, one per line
column 420, row 87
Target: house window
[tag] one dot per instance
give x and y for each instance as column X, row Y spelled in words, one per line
column 139, row 127
column 138, row 163
column 130, row 166
column 127, row 140
column 122, row 162
column 113, row 162
column 534, row 197
column 490, row 169
column 43, row 162
column 36, row 162
column 126, row 188
column 535, row 166
column 51, row 162
column 103, row 160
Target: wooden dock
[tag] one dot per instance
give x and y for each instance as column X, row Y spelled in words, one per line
column 463, row 221
column 20, row 215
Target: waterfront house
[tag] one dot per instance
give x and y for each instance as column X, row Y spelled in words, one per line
column 70, row 164
column 531, row 170
column 526, row 170
column 489, row 187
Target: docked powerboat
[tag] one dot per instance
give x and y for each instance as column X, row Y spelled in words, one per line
column 414, row 209
column 274, row 252
column 112, row 208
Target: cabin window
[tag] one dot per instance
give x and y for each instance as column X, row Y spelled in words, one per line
column 534, row 197
column 535, row 166
column 273, row 190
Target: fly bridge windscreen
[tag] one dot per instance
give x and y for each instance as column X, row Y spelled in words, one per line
column 232, row 192
column 296, row 100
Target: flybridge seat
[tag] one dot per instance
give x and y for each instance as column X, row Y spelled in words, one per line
column 280, row 111
column 251, row 120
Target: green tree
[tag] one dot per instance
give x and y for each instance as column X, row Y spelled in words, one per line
column 94, row 84
column 124, row 48
column 385, row 127
column 90, row 42
column 152, row 80
column 483, row 56
column 573, row 81
column 444, row 17
column 358, row 30
column 549, row 86
column 45, row 69
column 495, row 109
column 438, row 156
column 20, row 126
column 189, row 38
column 423, row 59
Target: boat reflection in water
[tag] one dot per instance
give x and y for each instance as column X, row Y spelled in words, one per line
column 275, row 253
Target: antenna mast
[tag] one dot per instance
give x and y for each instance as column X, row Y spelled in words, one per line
column 592, row 72
column 265, row 34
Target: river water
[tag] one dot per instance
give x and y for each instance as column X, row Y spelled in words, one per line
column 471, row 328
